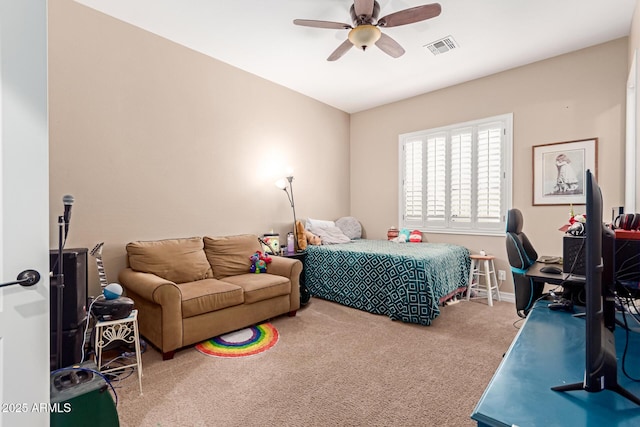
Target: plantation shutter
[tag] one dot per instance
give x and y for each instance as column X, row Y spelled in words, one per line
column 413, row 182
column 436, row 178
column 489, row 174
column 457, row 178
column 461, row 175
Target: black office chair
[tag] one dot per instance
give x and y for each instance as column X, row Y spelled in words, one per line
column 521, row 256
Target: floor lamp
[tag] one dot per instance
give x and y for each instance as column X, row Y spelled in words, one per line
column 282, row 184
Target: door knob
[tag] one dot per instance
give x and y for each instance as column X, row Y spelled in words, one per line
column 26, row 278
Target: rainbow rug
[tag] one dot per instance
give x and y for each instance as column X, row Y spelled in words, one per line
column 240, row 343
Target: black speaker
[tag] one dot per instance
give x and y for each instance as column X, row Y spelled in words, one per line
column 573, row 255
column 74, row 294
column 74, row 305
column 71, row 347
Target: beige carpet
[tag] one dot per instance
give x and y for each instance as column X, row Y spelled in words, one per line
column 332, row 366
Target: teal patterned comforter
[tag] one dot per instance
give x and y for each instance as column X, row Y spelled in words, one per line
column 405, row 281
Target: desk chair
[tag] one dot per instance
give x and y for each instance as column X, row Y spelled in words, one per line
column 521, row 256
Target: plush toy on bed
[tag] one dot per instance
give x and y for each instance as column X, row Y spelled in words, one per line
column 305, row 237
column 302, row 239
column 312, row 239
column 404, row 235
column 259, row 262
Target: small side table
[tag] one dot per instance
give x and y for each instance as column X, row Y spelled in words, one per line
column 489, row 273
column 108, row 331
column 305, row 295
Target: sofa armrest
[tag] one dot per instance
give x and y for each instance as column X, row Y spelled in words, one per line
column 164, row 293
column 147, row 285
column 291, row 269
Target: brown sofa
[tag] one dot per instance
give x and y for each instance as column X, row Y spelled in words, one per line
column 192, row 289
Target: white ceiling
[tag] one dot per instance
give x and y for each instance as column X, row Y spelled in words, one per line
column 258, row 36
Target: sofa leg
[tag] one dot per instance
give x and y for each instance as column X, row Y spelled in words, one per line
column 168, row 355
column 293, row 313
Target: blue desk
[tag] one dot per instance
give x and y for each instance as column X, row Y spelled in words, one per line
column 549, row 351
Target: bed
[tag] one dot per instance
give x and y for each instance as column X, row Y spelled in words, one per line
column 405, row 281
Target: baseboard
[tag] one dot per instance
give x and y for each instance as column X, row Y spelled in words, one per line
column 504, row 296
column 508, row 297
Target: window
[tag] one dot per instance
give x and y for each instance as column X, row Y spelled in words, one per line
column 457, row 179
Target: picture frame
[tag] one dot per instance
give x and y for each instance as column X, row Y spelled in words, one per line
column 559, row 171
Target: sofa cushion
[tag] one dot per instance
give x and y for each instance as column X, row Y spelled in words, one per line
column 258, row 287
column 204, row 296
column 229, row 255
column 177, row 260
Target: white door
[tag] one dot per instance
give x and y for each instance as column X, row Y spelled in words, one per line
column 24, row 213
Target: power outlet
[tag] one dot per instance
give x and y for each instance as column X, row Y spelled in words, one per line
column 502, row 275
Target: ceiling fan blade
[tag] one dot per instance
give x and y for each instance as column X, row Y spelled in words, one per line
column 390, row 46
column 321, row 24
column 341, row 50
column 363, row 7
column 411, row 15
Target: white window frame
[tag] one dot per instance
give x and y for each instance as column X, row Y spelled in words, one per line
column 447, row 224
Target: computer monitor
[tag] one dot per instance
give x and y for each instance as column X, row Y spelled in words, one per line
column 601, row 370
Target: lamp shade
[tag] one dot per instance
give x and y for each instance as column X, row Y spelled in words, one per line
column 364, row 36
column 281, row 184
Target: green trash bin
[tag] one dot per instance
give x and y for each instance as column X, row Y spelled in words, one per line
column 80, row 396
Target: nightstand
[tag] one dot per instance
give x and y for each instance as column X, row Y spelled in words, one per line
column 305, row 295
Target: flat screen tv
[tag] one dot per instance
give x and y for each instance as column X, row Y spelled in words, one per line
column 601, row 370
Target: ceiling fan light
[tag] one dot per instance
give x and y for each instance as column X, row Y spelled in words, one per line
column 364, row 36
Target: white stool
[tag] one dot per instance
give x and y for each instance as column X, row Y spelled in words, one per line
column 108, row 331
column 489, row 273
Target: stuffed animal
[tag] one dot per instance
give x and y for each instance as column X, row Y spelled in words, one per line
column 415, row 236
column 259, row 262
column 312, row 239
column 306, row 237
column 403, row 236
column 392, row 233
column 302, row 237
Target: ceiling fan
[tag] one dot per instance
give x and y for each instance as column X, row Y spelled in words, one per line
column 365, row 30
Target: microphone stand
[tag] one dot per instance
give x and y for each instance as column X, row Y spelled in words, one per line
column 59, row 291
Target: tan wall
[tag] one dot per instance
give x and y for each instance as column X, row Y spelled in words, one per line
column 574, row 96
column 157, row 141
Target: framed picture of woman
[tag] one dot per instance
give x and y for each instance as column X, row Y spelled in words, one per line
column 559, row 171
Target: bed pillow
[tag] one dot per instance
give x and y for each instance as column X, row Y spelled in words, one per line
column 318, row 223
column 330, row 235
column 350, row 227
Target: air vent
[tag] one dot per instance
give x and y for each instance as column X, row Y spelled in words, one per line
column 442, row 46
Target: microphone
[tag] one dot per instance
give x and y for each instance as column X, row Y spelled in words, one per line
column 68, row 201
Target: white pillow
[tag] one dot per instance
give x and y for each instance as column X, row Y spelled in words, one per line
column 318, row 223
column 330, row 235
column 350, row 226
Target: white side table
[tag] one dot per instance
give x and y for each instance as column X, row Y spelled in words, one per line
column 108, row 331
